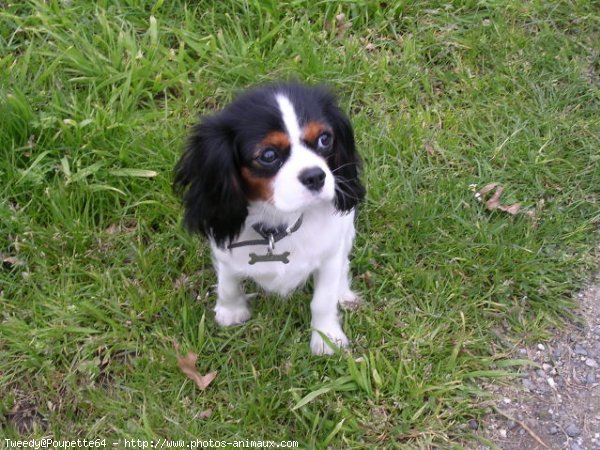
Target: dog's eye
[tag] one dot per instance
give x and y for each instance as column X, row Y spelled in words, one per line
column 325, row 142
column 268, row 157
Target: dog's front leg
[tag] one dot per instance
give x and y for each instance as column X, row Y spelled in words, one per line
column 232, row 304
column 324, row 308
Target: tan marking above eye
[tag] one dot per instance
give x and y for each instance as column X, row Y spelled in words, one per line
column 277, row 139
column 312, row 130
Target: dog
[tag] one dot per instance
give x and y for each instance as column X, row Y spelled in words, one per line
column 273, row 181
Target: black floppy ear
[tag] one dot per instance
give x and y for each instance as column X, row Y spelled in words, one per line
column 208, row 181
column 346, row 163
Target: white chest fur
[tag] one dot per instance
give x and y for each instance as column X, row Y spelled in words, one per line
column 323, row 235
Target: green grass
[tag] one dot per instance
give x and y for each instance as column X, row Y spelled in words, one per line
column 98, row 278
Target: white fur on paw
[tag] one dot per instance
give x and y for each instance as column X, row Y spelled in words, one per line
column 227, row 316
column 350, row 300
column 318, row 346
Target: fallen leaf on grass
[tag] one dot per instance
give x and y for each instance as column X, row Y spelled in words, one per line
column 494, row 201
column 205, row 414
column 187, row 364
column 341, row 25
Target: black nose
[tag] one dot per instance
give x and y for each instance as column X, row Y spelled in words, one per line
column 313, row 178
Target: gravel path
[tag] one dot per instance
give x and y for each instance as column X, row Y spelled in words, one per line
column 555, row 405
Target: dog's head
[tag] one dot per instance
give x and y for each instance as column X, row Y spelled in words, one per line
column 287, row 145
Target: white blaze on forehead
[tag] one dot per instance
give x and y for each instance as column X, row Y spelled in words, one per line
column 290, row 120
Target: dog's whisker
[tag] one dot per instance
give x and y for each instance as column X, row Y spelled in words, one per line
column 343, row 166
column 340, row 189
column 345, row 194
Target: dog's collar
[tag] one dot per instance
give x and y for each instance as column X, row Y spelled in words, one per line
column 270, row 235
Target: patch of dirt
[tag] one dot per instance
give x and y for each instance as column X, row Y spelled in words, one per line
column 25, row 416
column 556, row 403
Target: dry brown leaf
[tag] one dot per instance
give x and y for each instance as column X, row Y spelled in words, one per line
column 494, row 200
column 341, row 24
column 512, row 209
column 187, row 364
column 205, row 414
column 487, row 188
column 429, row 148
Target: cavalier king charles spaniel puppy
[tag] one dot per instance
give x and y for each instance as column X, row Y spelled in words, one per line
column 273, row 182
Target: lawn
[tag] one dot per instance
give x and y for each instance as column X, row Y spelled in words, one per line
column 98, row 279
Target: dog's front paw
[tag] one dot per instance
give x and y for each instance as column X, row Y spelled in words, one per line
column 228, row 315
column 319, row 346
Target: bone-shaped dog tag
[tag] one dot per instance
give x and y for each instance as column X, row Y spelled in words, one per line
column 269, row 257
